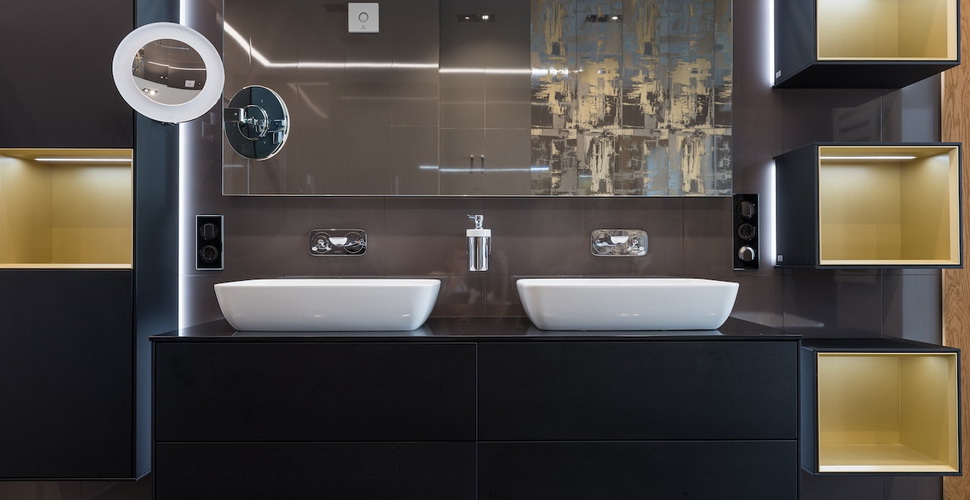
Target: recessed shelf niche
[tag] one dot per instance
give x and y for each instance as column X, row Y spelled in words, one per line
column 874, row 205
column 66, row 208
column 880, row 410
column 863, row 43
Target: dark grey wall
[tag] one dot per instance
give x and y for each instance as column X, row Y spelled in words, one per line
column 265, row 237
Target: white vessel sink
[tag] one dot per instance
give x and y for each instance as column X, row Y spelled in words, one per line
column 301, row 305
column 627, row 303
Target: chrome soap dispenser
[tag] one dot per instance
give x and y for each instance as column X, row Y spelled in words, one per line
column 479, row 244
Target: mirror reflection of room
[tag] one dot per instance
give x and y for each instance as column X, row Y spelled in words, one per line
column 505, row 97
column 168, row 71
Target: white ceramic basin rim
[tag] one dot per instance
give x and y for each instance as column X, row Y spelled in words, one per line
column 627, row 303
column 327, row 304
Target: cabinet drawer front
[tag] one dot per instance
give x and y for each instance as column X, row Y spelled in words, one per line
column 241, row 391
column 311, row 471
column 66, row 359
column 698, row 470
column 638, row 390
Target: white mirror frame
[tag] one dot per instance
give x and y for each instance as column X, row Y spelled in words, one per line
column 168, row 113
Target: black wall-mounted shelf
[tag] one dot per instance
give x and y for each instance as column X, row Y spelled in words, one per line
column 879, row 406
column 888, row 44
column 869, row 205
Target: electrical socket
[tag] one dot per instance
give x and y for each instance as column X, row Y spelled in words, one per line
column 208, row 243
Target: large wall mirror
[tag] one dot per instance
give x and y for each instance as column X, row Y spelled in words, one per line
column 488, row 97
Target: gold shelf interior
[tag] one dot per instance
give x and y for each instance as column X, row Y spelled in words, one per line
column 879, row 211
column 902, row 30
column 888, row 412
column 66, row 214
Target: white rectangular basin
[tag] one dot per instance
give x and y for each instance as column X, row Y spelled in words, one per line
column 627, row 303
column 302, row 305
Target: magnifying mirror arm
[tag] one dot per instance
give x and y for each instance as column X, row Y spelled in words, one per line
column 278, row 129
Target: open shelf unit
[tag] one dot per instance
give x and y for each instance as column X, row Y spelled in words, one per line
column 869, row 205
column 66, row 208
column 880, row 407
column 865, row 43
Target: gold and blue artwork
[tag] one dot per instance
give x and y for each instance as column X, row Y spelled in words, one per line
column 631, row 97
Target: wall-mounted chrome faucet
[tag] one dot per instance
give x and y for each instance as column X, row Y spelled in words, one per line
column 618, row 242
column 479, row 244
column 338, row 242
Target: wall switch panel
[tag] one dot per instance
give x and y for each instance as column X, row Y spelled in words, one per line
column 208, row 242
column 746, row 250
column 363, row 18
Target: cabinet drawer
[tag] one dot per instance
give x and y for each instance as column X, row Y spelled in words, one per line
column 311, row 471
column 742, row 470
column 314, row 391
column 638, row 390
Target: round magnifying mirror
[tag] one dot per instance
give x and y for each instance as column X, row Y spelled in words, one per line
column 169, row 71
column 256, row 122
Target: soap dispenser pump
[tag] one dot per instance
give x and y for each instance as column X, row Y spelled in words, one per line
column 479, row 244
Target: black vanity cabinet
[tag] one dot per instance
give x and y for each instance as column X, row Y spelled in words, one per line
column 463, row 417
column 295, row 420
column 648, row 419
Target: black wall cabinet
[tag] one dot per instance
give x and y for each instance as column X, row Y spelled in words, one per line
column 66, row 358
column 57, row 84
column 74, row 360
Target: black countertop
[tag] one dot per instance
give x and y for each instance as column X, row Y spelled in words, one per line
column 478, row 329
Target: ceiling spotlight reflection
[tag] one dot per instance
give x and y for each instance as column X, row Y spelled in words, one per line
column 476, row 18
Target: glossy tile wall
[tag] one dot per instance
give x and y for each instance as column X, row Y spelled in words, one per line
column 265, row 237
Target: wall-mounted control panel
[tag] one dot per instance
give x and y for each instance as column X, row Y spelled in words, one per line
column 208, row 242
column 746, row 251
column 363, row 18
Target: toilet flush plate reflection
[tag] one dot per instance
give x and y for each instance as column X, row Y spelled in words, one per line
column 363, row 18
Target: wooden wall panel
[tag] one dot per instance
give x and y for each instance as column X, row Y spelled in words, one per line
column 956, row 282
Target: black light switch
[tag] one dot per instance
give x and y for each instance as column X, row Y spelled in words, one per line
column 746, row 251
column 208, row 242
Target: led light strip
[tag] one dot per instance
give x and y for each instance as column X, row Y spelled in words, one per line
column 182, row 189
column 83, row 160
